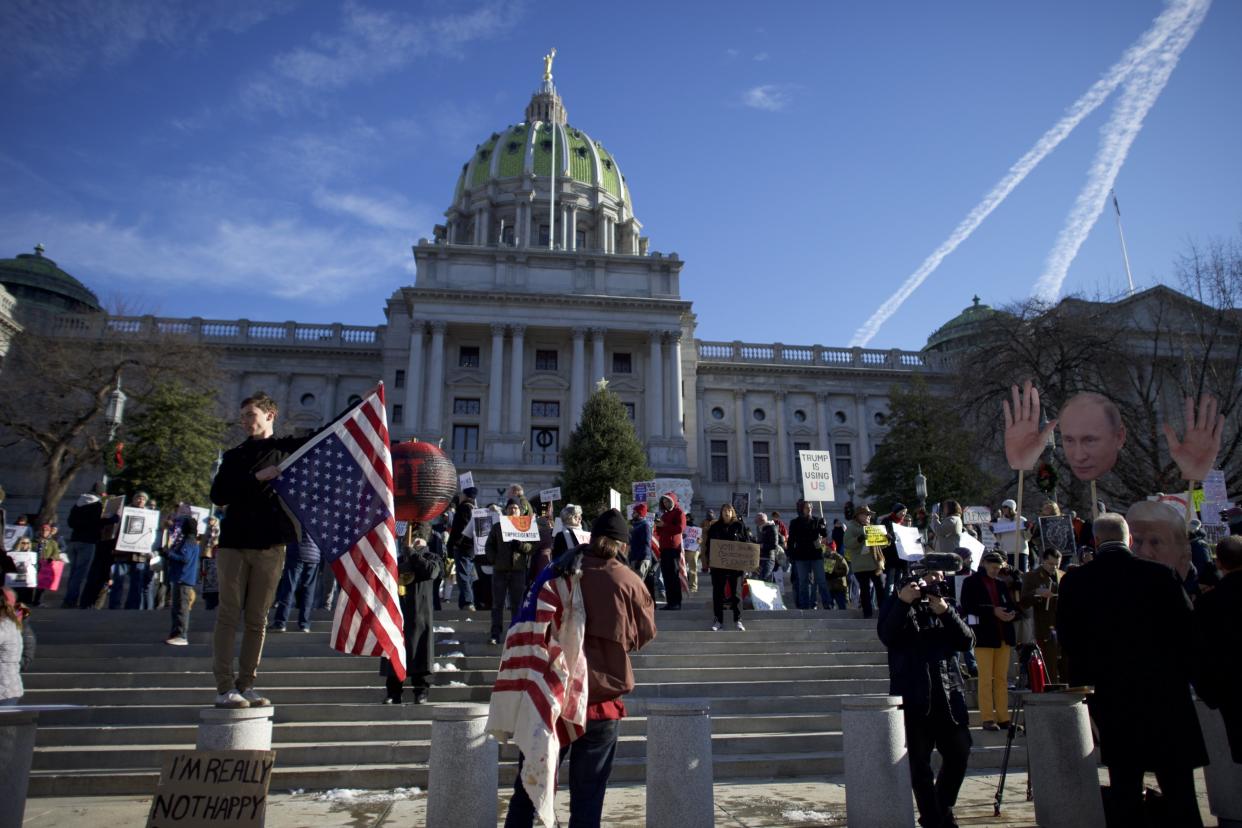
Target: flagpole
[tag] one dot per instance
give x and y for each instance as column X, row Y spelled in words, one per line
column 552, row 192
column 1125, row 256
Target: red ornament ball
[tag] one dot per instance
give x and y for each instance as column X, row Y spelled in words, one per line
column 424, row 481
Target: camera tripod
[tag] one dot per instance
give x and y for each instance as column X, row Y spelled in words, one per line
column 1017, row 719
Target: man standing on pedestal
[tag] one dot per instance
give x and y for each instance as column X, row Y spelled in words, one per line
column 251, row 554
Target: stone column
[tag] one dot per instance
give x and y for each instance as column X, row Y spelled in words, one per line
column 677, row 404
column 739, row 421
column 221, row 728
column 655, row 388
column 330, row 383
column 864, row 438
column 573, row 228
column 782, row 447
column 496, row 385
column 461, row 750
column 877, row 765
column 577, row 374
column 414, row 378
column 517, row 363
column 485, row 233
column 1223, row 775
column 283, row 384
column 679, row 764
column 434, row 421
column 598, row 371
column 1064, row 770
column 17, row 740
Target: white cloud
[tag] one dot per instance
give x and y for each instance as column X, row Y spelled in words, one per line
column 760, row 57
column 385, row 212
column 732, row 52
column 769, row 97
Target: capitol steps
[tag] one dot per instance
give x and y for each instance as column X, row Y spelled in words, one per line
column 775, row 693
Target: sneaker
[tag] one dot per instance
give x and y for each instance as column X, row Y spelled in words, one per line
column 716, row 627
column 276, row 628
column 391, row 700
column 469, row 607
column 255, row 699
column 177, row 641
column 740, row 627
column 990, row 725
column 305, row 629
column 494, row 641
column 420, row 696
column 232, row 699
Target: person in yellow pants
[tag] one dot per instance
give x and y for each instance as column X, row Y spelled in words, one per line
column 990, row 608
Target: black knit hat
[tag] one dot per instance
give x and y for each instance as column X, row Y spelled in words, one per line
column 611, row 524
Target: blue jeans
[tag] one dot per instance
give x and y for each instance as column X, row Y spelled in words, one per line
column 766, row 565
column 837, row 598
column 590, row 765
column 80, row 555
column 328, row 586
column 297, row 581
column 810, row 576
column 128, row 579
column 465, row 579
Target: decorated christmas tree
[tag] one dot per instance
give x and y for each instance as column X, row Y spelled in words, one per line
column 603, row 453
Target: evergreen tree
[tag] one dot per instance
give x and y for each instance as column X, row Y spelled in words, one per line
column 925, row 432
column 174, row 441
column 602, row 453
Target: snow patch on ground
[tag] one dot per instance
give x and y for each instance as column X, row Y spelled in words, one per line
column 443, row 668
column 447, row 642
column 355, row 796
column 456, row 684
column 818, row 817
column 440, row 629
column 455, row 654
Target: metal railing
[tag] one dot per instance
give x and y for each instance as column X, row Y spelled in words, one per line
column 811, row 355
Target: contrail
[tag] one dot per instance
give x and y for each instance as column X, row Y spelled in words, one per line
column 1169, row 21
column 1137, row 97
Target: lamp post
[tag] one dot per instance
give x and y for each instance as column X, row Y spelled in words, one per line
column 114, row 415
column 849, row 486
column 920, row 487
column 758, row 498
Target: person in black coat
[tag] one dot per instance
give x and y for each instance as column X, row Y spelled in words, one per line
column 461, row 548
column 1218, row 641
column 1126, row 628
column 923, row 638
column 418, row 570
column 728, row 528
column 990, row 608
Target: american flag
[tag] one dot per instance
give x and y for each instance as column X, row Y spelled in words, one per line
column 539, row 699
column 339, row 487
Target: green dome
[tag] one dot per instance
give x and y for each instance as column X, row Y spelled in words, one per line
column 35, row 280
column 964, row 324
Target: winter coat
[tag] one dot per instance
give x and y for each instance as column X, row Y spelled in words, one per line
column 948, row 532
column 922, row 655
column 253, row 517
column 620, row 618
column 507, row 556
column 84, row 519
column 989, row 630
column 1125, row 626
column 862, row 558
column 459, row 544
column 1044, row 611
column 640, row 541
column 670, row 525
column 417, row 570
column 838, row 572
column 183, row 562
column 1218, row 640
column 735, row 531
column 769, row 540
column 805, row 534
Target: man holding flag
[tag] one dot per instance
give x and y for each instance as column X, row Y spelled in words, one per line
column 563, row 672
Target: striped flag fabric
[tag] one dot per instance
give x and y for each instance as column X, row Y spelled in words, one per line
column 539, row 699
column 339, row 487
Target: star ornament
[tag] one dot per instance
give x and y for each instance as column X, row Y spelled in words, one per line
column 602, row 385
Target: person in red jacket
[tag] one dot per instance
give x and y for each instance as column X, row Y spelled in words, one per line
column 670, row 524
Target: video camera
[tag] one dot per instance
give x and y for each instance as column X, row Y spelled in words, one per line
column 948, row 563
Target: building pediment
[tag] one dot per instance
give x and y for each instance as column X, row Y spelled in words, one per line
column 547, row 382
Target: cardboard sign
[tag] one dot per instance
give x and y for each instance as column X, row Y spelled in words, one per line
column 909, row 542
column 817, row 476
column 1002, row 527
column 12, row 534
column 27, row 574
column 549, row 495
column 111, row 509
column 481, row 521
column 989, row 537
column 614, row 499
column 465, row 481
column 764, row 596
column 741, row 503
column 140, row 528
column 977, row 514
column 743, row 557
column 690, row 537
column 1057, row 531
column 975, row 549
column 209, row 788
column 519, row 528
column 876, row 536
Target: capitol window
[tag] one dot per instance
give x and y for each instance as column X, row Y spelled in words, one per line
column 464, row 405
column 839, row 416
column 307, row 400
column 545, row 408
column 880, row 419
column 759, row 414
column 799, row 416
column 622, row 363
column 717, row 413
column 545, row 360
column 468, row 356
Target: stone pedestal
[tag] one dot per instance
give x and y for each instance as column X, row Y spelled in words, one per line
column 1063, row 766
column 679, row 764
column 248, row 728
column 17, row 738
column 1223, row 775
column 877, row 765
column 463, row 776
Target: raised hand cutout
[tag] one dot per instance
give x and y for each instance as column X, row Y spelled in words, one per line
column 1024, row 439
column 1197, row 451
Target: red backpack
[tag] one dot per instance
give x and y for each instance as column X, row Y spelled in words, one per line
column 1036, row 671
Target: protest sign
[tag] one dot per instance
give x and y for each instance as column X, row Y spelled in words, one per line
column 481, row 521
column 817, row 476
column 26, row 575
column 140, row 529
column 764, row 595
column 876, row 536
column 1178, row 502
column 200, row 513
column 735, row 555
column 977, row 514
column 1214, row 487
column 202, row 788
column 519, row 528
column 12, row 534
column 974, row 554
column 614, row 499
column 639, row 491
column 1002, row 527
column 1057, row 531
column 909, row 542
column 549, row 495
column 465, row 480
column 679, row 486
column 988, row 536
column 741, row 503
column 690, row 537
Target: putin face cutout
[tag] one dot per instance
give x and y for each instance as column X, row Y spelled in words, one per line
column 1092, row 434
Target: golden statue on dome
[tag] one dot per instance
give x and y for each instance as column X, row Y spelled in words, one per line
column 547, row 64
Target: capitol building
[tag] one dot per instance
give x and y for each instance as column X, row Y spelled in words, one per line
column 539, row 284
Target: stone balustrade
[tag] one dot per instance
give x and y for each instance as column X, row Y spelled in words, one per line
column 217, row 331
column 816, row 355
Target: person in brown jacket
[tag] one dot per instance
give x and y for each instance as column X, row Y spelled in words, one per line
column 620, row 618
column 1039, row 594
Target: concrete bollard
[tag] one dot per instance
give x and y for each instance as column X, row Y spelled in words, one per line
column 1064, row 769
column 17, row 739
column 231, row 728
column 1223, row 775
column 464, row 774
column 877, row 764
column 679, row 764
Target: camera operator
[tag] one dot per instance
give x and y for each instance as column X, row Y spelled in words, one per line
column 924, row 634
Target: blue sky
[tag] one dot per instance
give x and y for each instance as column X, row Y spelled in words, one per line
column 276, row 160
